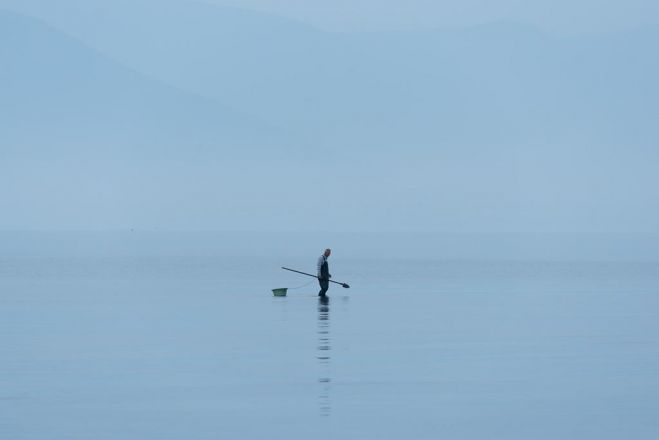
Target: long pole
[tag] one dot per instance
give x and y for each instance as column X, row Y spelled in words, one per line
column 309, row 275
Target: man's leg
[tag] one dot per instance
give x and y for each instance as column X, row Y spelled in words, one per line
column 324, row 286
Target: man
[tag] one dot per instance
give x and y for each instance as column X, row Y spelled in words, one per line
column 323, row 272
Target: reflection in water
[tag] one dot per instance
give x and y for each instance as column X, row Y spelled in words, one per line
column 323, row 356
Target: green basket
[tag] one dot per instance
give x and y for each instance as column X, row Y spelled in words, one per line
column 280, row 292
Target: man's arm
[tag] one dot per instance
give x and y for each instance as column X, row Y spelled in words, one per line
column 321, row 260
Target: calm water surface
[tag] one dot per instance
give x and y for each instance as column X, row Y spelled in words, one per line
column 166, row 347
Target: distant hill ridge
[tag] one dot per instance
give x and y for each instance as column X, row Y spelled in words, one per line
column 493, row 85
column 58, row 90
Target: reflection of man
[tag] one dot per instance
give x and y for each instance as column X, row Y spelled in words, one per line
column 323, row 272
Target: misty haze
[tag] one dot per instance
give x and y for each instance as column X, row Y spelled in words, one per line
column 484, row 173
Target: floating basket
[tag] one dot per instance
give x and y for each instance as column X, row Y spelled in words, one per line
column 280, row 292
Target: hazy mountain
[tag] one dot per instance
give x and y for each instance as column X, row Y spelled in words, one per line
column 499, row 127
column 496, row 85
column 60, row 96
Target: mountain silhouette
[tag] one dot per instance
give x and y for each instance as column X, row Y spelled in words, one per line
column 60, row 94
column 491, row 86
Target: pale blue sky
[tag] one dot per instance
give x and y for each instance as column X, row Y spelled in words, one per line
column 566, row 16
column 176, row 114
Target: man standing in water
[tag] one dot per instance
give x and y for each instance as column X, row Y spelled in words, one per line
column 323, row 272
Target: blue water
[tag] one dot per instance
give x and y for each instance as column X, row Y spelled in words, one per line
column 196, row 347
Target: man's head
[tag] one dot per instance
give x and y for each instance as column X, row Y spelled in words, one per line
column 327, row 252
